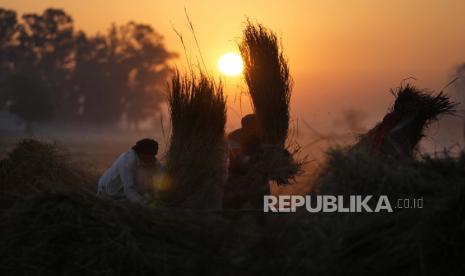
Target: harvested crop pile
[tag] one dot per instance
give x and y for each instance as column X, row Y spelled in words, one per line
column 78, row 234
column 413, row 242
column 196, row 158
column 424, row 241
column 402, row 128
column 358, row 173
column 34, row 167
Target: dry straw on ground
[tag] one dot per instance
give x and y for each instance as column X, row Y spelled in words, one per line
column 33, row 168
column 79, row 234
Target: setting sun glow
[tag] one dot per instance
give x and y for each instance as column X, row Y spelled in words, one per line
column 230, row 64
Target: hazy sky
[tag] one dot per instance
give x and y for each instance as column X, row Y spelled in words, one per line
column 343, row 54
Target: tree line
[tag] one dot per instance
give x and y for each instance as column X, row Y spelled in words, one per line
column 49, row 72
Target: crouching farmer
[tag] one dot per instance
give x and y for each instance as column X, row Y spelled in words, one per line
column 119, row 182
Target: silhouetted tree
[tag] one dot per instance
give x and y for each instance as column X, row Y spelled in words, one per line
column 92, row 79
column 28, row 99
column 146, row 65
column 40, row 50
column 8, row 29
column 120, row 73
column 48, row 40
column 97, row 87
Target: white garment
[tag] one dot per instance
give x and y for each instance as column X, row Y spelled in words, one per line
column 118, row 182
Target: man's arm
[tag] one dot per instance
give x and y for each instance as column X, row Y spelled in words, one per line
column 127, row 174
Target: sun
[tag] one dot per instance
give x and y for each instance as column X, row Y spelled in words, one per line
column 230, row 64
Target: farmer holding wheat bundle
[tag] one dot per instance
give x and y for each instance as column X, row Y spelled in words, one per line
column 258, row 152
column 400, row 131
column 244, row 143
column 245, row 183
column 119, row 182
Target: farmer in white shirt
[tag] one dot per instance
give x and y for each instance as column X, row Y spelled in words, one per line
column 119, row 181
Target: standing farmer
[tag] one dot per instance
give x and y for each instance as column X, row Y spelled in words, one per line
column 119, row 181
column 245, row 184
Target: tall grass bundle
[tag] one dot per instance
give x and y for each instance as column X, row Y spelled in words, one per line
column 270, row 86
column 410, row 99
column 268, row 79
column 34, row 167
column 196, row 157
column 402, row 128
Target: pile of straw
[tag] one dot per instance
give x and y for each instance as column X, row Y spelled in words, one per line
column 79, row 234
column 34, row 168
column 402, row 128
column 270, row 86
column 412, row 242
column 196, row 158
column 347, row 172
column 426, row 241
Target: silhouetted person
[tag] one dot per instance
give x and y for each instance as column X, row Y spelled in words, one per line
column 119, row 181
column 245, row 184
column 400, row 131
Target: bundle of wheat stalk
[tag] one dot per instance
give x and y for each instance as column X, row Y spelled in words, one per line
column 268, row 79
column 402, row 128
column 269, row 86
column 196, row 158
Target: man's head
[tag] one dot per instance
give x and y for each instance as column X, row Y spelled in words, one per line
column 250, row 124
column 146, row 150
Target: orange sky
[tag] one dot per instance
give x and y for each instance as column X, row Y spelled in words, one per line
column 343, row 54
